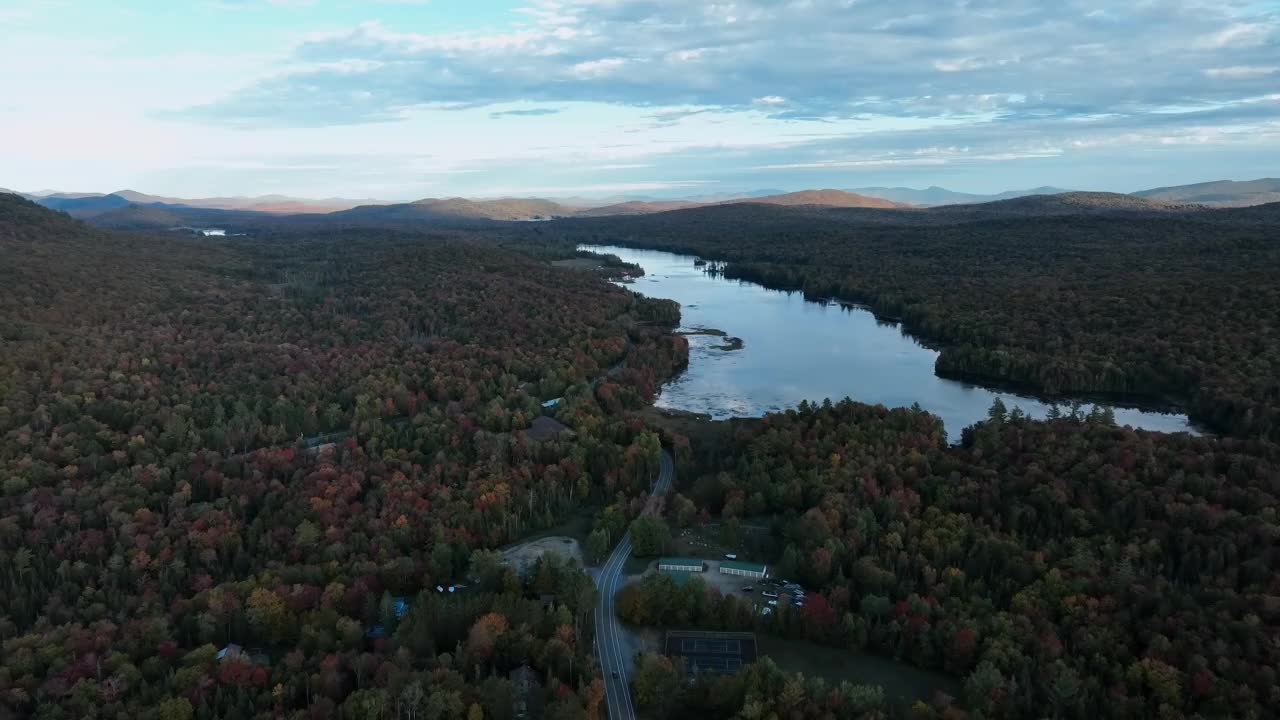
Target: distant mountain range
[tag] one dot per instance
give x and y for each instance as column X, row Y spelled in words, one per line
column 119, row 209
column 935, row 195
column 88, row 204
column 539, row 209
column 781, row 213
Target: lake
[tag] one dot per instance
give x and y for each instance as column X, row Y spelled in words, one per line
column 792, row 349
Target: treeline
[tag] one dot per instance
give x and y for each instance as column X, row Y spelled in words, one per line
column 1069, row 567
column 1170, row 310
column 261, row 447
column 759, row 690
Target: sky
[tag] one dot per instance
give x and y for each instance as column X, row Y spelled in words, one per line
column 404, row 99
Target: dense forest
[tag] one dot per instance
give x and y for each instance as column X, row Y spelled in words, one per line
column 238, row 475
column 1179, row 310
column 1067, row 568
column 233, row 471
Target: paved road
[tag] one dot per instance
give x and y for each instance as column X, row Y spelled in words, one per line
column 609, row 645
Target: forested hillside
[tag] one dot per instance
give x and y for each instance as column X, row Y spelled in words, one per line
column 1066, row 568
column 1170, row 308
column 232, row 473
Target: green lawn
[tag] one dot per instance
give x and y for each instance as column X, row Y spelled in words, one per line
column 902, row 683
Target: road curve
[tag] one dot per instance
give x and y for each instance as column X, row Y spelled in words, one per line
column 609, row 646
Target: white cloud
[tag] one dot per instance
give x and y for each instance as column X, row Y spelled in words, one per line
column 598, row 68
column 835, row 58
column 1239, row 35
column 1242, row 71
column 735, row 91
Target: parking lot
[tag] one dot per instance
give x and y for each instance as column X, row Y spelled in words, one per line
column 733, row 584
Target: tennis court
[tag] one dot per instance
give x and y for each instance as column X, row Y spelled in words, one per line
column 711, row 652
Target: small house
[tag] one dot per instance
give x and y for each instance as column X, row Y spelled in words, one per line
column 232, row 652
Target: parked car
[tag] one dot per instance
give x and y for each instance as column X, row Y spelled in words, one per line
column 768, row 594
column 747, row 588
column 730, row 556
column 773, row 603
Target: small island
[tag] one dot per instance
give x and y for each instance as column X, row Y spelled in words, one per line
column 730, row 342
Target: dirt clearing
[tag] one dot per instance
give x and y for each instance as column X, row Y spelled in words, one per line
column 526, row 553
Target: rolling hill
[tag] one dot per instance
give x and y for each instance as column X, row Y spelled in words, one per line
column 457, row 208
column 827, row 198
column 637, row 207
column 83, row 206
column 1070, row 203
column 1221, row 193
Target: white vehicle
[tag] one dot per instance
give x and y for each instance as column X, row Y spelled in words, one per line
column 439, row 589
column 769, row 594
column 773, row 603
column 730, row 556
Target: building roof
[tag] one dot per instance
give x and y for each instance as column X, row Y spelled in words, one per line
column 681, row 561
column 679, row 576
column 233, row 650
column 546, row 428
column 744, row 566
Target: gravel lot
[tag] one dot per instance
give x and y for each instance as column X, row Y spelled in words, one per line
column 526, row 553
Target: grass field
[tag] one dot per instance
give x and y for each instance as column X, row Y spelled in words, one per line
column 902, row 683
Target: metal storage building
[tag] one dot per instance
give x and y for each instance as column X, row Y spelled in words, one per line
column 681, row 564
column 745, row 569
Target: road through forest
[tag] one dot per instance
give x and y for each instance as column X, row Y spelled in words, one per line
column 609, row 645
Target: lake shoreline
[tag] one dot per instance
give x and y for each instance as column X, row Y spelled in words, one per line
column 815, row 348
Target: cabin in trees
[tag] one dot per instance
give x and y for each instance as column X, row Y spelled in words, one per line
column 235, row 653
column 547, row 428
column 745, row 569
column 676, row 564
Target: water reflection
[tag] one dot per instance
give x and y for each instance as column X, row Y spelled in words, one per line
column 795, row 350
